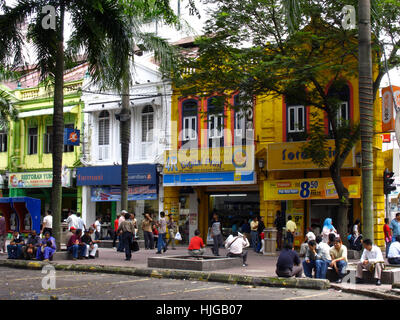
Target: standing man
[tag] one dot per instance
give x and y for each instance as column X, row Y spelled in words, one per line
column 121, row 219
column 72, row 220
column 216, row 234
column 47, row 223
column 3, row 233
column 260, row 230
column 371, row 260
column 81, row 223
column 148, row 232
column 115, row 230
column 388, row 235
column 127, row 228
column 395, row 227
column 279, row 223
column 171, row 224
column 162, row 233
column 254, row 233
column 97, row 226
column 290, row 230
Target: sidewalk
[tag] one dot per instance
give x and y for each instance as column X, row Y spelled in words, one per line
column 258, row 266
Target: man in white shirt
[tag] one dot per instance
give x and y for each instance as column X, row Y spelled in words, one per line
column 47, row 223
column 394, row 251
column 72, row 220
column 235, row 244
column 323, row 258
column 121, row 219
column 81, row 223
column 97, row 226
column 371, row 260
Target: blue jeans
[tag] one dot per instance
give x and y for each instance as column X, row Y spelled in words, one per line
column 289, row 238
column 46, row 255
column 308, row 268
column 341, row 265
column 120, row 247
column 77, row 251
column 254, row 239
column 14, row 251
column 161, row 241
column 321, row 267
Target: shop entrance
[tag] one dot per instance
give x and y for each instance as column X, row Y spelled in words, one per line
column 234, row 209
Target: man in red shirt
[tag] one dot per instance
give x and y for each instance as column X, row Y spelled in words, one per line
column 388, row 235
column 196, row 246
column 76, row 246
column 116, row 222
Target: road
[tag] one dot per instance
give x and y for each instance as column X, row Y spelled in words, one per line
column 17, row 284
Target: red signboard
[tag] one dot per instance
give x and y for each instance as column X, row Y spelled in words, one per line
column 386, row 138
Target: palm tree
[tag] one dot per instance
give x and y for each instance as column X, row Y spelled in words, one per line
column 95, row 23
column 7, row 109
column 137, row 13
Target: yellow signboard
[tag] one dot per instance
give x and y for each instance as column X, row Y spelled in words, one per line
column 225, row 159
column 308, row 189
column 288, row 156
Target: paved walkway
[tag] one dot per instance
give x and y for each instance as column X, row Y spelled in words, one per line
column 258, row 265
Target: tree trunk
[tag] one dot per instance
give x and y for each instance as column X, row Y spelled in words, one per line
column 58, row 130
column 125, row 128
column 343, row 194
column 366, row 114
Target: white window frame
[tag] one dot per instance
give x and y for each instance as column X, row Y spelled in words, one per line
column 104, row 149
column 215, row 133
column 240, row 123
column 296, row 119
column 190, row 131
column 147, row 115
column 340, row 115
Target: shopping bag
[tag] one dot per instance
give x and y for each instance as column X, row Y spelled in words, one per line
column 134, row 246
column 178, row 236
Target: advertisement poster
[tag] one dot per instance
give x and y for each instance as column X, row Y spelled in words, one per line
column 38, row 179
column 309, row 189
column 103, row 194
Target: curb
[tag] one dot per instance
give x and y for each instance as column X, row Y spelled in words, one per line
column 300, row 283
column 367, row 293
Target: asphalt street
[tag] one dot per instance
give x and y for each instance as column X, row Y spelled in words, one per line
column 17, row 284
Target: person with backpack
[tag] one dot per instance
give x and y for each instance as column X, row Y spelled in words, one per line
column 235, row 244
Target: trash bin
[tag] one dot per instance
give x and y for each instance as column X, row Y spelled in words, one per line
column 270, row 241
column 63, row 232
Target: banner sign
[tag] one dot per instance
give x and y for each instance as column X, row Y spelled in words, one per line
column 223, row 159
column 288, row 156
column 104, row 194
column 72, row 137
column 309, row 189
column 38, row 179
column 138, row 174
column 388, row 114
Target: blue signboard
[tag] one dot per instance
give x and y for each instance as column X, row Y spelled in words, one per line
column 210, row 178
column 72, row 137
column 138, row 174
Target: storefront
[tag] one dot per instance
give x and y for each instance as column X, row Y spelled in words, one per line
column 299, row 188
column 101, row 193
column 209, row 180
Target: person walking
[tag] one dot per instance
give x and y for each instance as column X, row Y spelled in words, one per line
column 127, row 230
column 171, row 224
column 47, row 223
column 162, row 232
column 371, row 260
column 288, row 264
column 3, row 233
column 254, row 233
column 148, row 232
column 216, row 234
column 290, row 230
column 235, row 244
column 279, row 223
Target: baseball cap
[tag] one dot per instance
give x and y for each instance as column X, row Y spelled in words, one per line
column 124, row 211
column 72, row 228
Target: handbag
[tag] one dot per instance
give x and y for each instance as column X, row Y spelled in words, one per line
column 135, row 246
column 178, row 236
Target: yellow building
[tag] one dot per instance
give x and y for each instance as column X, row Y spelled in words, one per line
column 277, row 176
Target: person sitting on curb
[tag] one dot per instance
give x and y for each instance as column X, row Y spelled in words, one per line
column 76, row 246
column 339, row 258
column 196, row 246
column 331, row 240
column 304, row 246
column 47, row 247
column 394, row 252
column 32, row 244
column 235, row 244
column 371, row 260
column 91, row 245
column 323, row 258
column 310, row 258
column 14, row 249
column 288, row 264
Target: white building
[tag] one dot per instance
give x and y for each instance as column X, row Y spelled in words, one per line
column 150, row 135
